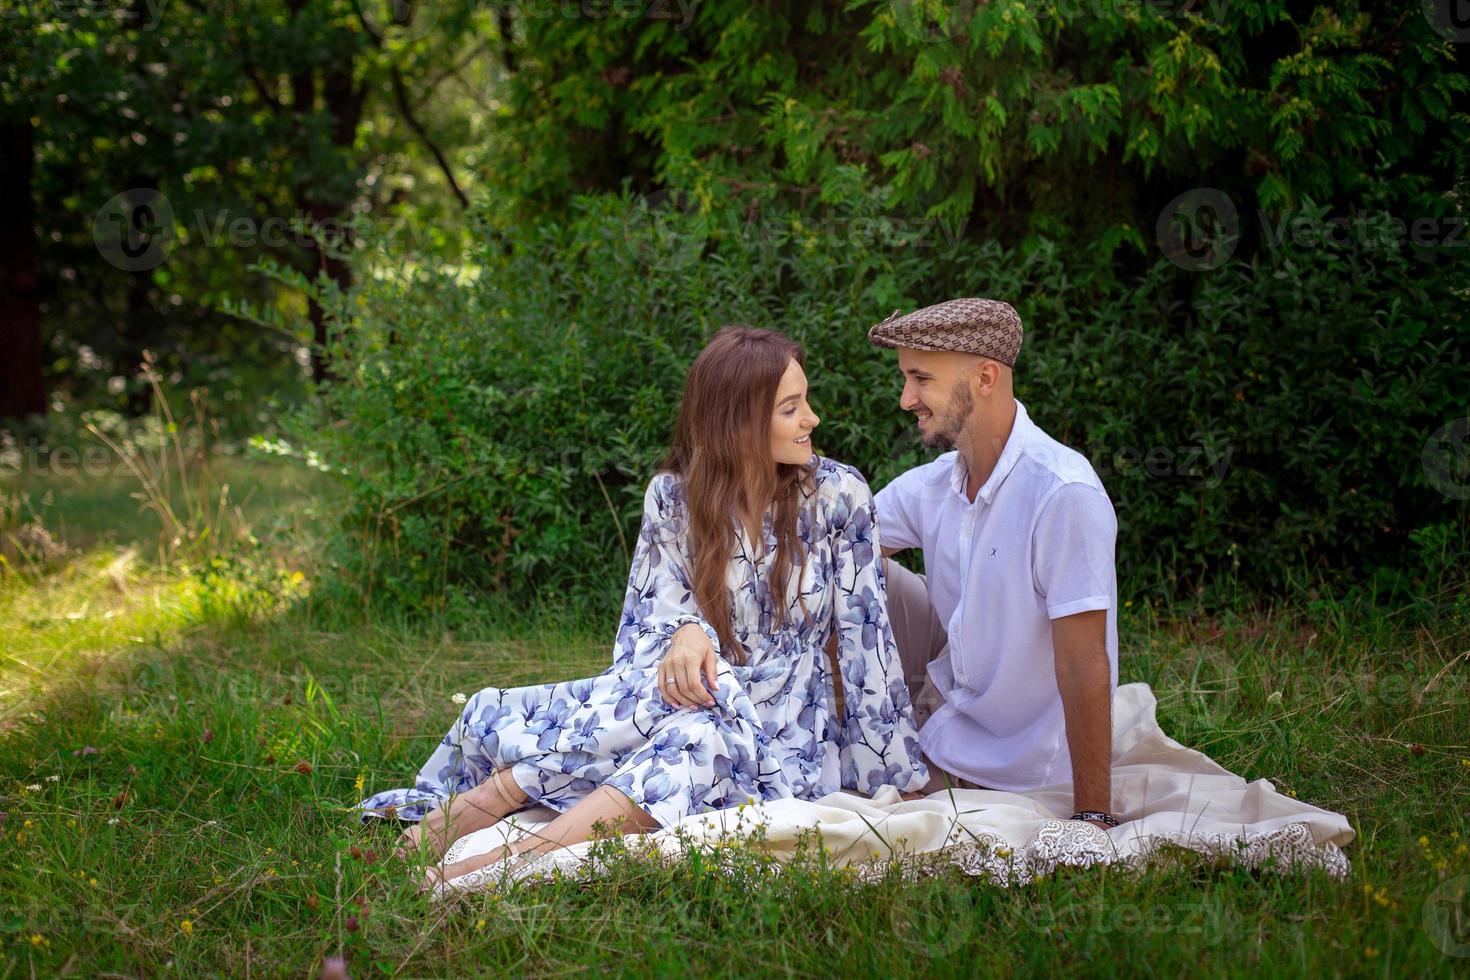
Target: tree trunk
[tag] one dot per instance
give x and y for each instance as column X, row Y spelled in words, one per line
column 140, row 328
column 22, row 377
column 343, row 101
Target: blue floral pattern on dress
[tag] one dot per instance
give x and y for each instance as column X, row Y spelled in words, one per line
column 770, row 734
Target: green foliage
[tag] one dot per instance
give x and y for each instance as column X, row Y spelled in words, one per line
column 496, row 429
column 250, row 121
column 1012, row 118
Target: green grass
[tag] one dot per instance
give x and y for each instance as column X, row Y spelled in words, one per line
column 203, row 687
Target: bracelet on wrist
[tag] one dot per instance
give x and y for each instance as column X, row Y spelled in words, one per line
column 1098, row 815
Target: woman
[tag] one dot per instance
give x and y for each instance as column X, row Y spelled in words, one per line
column 753, row 551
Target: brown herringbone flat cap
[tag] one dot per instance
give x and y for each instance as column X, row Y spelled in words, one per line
column 986, row 327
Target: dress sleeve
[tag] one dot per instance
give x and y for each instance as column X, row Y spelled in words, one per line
column 878, row 744
column 660, row 596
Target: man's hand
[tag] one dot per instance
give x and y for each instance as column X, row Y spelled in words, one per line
column 690, row 652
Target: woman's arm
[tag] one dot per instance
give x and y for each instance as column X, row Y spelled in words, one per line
column 878, row 741
column 660, row 596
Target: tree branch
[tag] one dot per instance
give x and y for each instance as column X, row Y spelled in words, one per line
column 400, row 95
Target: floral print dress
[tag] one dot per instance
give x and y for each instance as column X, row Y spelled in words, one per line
column 771, row 733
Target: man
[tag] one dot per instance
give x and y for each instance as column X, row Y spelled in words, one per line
column 1010, row 639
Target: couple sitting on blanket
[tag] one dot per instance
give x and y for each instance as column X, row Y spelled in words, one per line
column 761, row 568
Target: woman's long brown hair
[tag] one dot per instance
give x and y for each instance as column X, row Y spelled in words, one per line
column 722, row 449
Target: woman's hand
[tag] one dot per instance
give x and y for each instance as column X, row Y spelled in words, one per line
column 690, row 652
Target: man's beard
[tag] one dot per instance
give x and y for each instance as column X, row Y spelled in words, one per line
column 947, row 427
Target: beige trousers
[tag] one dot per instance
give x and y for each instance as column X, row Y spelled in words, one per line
column 921, row 637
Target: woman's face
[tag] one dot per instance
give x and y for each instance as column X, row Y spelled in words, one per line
column 792, row 420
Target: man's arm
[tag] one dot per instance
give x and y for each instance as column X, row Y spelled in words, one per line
column 894, row 516
column 1085, row 684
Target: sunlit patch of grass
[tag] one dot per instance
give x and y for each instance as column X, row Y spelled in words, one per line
column 68, row 626
column 90, row 575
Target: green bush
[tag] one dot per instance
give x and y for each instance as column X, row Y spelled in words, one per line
column 495, row 424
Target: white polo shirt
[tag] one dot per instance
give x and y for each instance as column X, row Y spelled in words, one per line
column 1036, row 544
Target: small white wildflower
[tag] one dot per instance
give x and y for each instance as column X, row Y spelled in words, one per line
column 52, row 779
column 34, row 787
column 1275, row 698
column 459, row 698
column 112, row 821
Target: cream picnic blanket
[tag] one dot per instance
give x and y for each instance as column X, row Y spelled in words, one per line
column 1165, row 795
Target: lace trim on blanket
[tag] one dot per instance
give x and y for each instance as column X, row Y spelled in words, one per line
column 1074, row 844
column 1055, row 844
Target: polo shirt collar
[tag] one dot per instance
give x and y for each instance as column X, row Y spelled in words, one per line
column 1015, row 445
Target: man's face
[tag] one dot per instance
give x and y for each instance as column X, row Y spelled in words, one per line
column 936, row 389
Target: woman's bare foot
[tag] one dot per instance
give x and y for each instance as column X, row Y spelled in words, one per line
column 604, row 807
column 465, row 813
column 408, row 841
column 438, row 874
